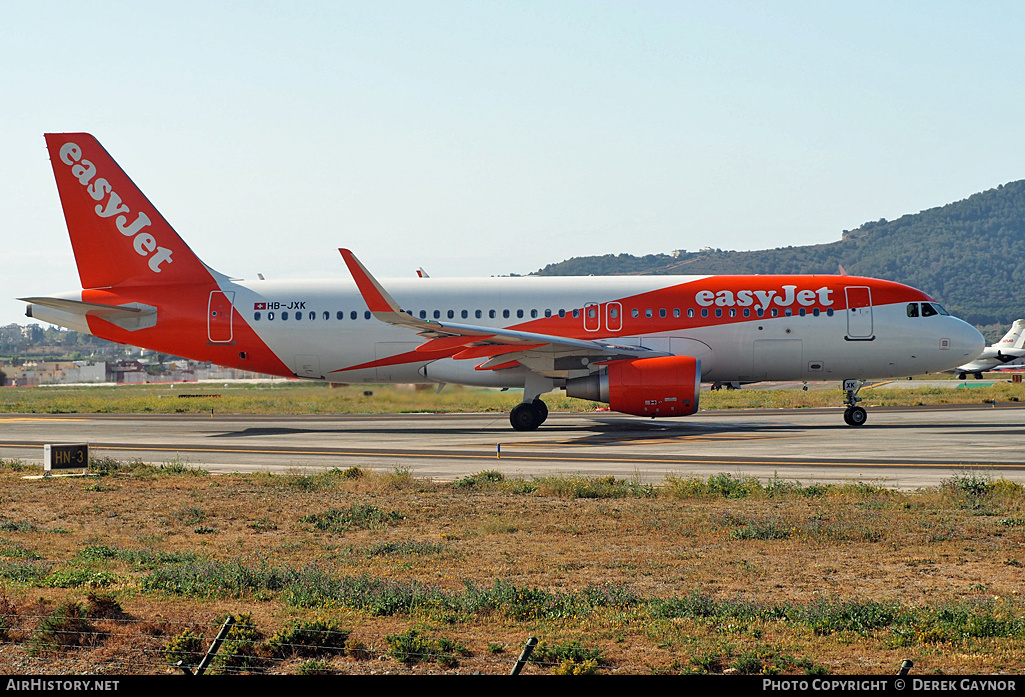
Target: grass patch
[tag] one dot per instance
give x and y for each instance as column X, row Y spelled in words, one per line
column 361, row 516
column 723, row 574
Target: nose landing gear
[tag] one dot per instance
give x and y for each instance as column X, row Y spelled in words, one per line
column 854, row 415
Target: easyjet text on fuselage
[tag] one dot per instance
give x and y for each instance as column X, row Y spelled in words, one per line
column 762, row 299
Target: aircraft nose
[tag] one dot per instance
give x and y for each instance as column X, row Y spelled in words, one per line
column 965, row 340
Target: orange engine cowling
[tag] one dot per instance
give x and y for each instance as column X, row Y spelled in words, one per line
column 667, row 386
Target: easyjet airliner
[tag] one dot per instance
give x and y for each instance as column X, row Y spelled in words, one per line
column 642, row 344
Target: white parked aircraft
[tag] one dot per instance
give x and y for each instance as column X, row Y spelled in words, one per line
column 641, row 344
column 1010, row 348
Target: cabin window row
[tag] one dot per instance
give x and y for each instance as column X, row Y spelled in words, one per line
column 312, row 315
column 591, row 311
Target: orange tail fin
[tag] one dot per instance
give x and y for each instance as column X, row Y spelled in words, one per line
column 118, row 236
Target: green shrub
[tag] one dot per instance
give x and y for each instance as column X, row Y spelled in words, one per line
column 309, row 638
column 479, row 480
column 362, row 516
column 411, row 647
column 314, row 668
column 568, row 659
column 238, row 652
column 580, row 487
column 66, row 626
column 75, row 578
column 28, row 572
column 186, row 647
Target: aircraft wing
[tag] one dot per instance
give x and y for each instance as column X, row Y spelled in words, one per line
column 548, row 354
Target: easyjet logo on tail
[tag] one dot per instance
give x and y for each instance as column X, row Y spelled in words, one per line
column 763, row 298
column 144, row 243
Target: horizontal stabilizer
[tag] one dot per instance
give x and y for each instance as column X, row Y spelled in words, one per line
column 129, row 317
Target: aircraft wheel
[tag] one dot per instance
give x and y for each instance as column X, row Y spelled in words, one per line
column 855, row 416
column 978, row 376
column 525, row 417
column 961, row 376
column 542, row 410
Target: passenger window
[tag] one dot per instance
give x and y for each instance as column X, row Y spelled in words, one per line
column 591, row 312
column 704, row 312
column 353, row 315
column 423, row 314
column 676, row 312
column 718, row 312
column 690, row 311
column 788, row 312
column 464, row 314
column 284, row 315
column 912, row 309
column 562, row 313
column 634, row 313
column 505, row 314
column 477, row 314
column 613, row 312
column 366, row 315
column 829, row 312
column 533, row 313
column 576, row 314
column 548, row 313
column 733, row 312
column 451, row 314
column 519, row 314
column 256, row 316
column 815, row 312
column 313, row 315
column 648, row 313
column 747, row 311
column 298, row 316
column 270, row 316
column 774, row 312
column 491, row 314
column 662, row 312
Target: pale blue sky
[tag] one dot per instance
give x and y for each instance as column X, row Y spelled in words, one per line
column 481, row 138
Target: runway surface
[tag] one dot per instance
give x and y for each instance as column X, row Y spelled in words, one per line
column 906, row 447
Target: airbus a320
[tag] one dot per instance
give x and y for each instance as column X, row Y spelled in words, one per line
column 641, row 344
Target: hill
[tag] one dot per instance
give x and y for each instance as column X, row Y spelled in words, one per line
column 969, row 255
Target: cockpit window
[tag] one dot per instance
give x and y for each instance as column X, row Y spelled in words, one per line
column 912, row 309
column 928, row 310
column 939, row 308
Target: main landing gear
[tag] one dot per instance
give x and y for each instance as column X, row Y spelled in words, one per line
column 531, row 412
column 853, row 415
column 527, row 416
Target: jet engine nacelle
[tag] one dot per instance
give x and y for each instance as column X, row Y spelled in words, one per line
column 667, row 386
